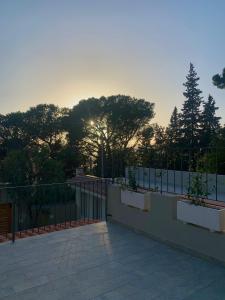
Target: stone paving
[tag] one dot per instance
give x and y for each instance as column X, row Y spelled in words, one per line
column 101, row 262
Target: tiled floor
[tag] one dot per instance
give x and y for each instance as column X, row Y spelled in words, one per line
column 102, row 261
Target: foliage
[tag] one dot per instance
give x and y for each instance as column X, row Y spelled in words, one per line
column 219, row 80
column 173, row 132
column 31, row 166
column 190, row 119
column 159, row 136
column 197, row 190
column 35, row 202
column 145, row 148
column 43, row 124
column 25, row 170
column 110, row 125
column 70, row 159
column 132, row 180
column 188, row 132
column 39, row 125
column 108, row 133
column 210, row 123
column 17, row 168
column 12, row 133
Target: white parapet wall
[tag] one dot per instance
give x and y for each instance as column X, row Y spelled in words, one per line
column 161, row 223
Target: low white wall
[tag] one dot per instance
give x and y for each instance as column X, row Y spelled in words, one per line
column 161, row 223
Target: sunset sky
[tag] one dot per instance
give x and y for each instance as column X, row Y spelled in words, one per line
column 62, row 51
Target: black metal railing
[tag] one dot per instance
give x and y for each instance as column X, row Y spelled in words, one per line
column 49, row 207
column 205, row 185
column 176, row 169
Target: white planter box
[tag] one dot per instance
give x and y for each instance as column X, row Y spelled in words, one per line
column 211, row 218
column 133, row 199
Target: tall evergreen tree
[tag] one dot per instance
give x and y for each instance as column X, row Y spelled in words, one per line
column 159, row 136
column 210, row 122
column 191, row 114
column 173, row 129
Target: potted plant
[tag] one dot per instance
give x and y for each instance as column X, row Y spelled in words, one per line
column 196, row 210
column 130, row 195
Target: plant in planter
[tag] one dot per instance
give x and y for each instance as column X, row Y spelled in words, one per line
column 119, row 180
column 130, row 195
column 198, row 191
column 132, row 180
column 197, row 211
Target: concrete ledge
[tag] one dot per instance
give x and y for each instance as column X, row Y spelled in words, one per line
column 161, row 223
column 171, row 244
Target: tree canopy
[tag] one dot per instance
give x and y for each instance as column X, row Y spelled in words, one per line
column 31, row 166
column 219, row 80
column 210, row 122
column 110, row 125
column 173, row 131
column 47, row 143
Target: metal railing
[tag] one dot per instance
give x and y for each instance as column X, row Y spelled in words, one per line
column 211, row 186
column 49, row 207
column 174, row 170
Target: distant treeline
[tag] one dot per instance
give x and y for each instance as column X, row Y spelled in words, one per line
column 47, row 143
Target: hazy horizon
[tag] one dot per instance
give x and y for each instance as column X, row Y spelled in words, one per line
column 63, row 51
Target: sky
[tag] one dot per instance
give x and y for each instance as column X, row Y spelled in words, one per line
column 63, row 51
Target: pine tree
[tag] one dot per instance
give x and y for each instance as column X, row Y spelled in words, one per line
column 210, row 122
column 173, row 129
column 191, row 114
column 159, row 136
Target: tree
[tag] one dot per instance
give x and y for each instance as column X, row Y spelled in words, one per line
column 13, row 135
column 70, row 158
column 159, row 136
column 145, row 151
column 43, row 125
column 219, row 80
column 213, row 160
column 110, row 126
column 2, row 146
column 26, row 170
column 191, row 114
column 173, row 133
column 40, row 125
column 210, row 122
column 16, row 168
column 31, row 166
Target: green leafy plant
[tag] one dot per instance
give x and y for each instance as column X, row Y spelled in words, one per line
column 120, row 181
column 132, row 180
column 198, row 191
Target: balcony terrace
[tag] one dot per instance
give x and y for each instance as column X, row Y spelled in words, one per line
column 104, row 261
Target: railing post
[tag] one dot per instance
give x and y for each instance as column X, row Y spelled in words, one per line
column 13, row 221
column 161, row 173
column 181, row 173
column 216, row 174
column 106, row 200
column 167, row 172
